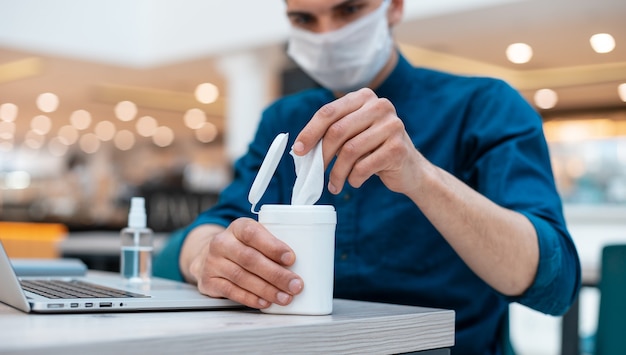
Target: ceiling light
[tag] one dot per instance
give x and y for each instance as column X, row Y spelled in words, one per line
column 124, row 140
column 105, row 130
column 125, row 110
column 206, row 93
column 602, row 42
column 89, row 143
column 163, row 137
column 519, row 53
column 621, row 90
column 41, row 124
column 8, row 112
column 47, row 102
column 194, row 118
column 146, row 126
column 546, row 98
column 80, row 119
column 68, row 134
column 207, row 133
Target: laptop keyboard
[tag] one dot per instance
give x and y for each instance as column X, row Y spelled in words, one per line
column 74, row 289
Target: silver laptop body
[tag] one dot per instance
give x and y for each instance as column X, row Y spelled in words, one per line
column 159, row 294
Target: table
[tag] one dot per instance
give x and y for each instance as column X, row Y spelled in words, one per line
column 355, row 327
column 100, row 249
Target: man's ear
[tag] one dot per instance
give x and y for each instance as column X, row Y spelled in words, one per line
column 395, row 12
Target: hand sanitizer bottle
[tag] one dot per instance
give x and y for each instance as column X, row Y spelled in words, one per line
column 136, row 244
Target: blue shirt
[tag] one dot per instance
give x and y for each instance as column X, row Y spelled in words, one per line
column 478, row 129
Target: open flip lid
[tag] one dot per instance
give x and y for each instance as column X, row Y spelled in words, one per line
column 309, row 182
column 267, row 169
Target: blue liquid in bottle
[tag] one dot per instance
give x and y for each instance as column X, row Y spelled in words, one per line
column 136, row 245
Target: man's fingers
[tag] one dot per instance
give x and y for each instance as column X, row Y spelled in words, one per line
column 347, row 165
column 241, row 286
column 219, row 287
column 369, row 131
column 326, row 116
column 269, row 272
column 254, row 235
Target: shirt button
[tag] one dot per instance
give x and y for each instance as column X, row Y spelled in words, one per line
column 344, row 256
column 346, row 197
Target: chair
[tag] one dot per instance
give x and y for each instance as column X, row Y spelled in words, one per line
column 32, row 240
column 610, row 336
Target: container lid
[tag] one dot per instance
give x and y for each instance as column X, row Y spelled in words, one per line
column 297, row 214
column 267, row 169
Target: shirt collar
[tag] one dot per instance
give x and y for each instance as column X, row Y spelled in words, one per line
column 395, row 83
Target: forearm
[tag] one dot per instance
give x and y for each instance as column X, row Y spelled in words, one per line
column 196, row 240
column 498, row 244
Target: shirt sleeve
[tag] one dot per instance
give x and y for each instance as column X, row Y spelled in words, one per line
column 508, row 161
column 557, row 281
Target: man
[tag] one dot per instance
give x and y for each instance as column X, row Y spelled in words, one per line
column 442, row 185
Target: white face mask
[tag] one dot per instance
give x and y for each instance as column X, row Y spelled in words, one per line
column 348, row 58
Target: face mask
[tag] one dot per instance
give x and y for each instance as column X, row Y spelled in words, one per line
column 348, row 58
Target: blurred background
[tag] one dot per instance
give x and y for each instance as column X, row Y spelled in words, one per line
column 102, row 101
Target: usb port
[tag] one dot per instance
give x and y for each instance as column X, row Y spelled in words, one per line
column 106, row 304
column 74, row 305
column 88, row 305
column 55, row 305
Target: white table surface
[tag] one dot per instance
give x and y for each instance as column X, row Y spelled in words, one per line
column 354, row 327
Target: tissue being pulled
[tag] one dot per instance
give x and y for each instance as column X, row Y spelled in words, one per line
column 309, row 176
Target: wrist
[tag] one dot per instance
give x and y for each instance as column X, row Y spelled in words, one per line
column 424, row 175
column 193, row 248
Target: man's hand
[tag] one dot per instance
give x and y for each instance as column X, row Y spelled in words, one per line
column 244, row 263
column 367, row 137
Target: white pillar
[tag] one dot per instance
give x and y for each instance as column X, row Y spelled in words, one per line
column 250, row 84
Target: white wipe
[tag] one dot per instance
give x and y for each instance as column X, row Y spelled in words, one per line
column 309, row 176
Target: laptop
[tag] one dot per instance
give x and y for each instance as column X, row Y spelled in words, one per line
column 98, row 292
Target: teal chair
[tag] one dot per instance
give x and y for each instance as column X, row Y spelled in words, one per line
column 610, row 337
